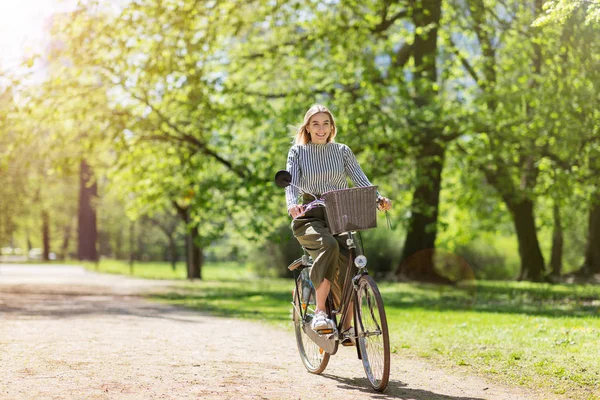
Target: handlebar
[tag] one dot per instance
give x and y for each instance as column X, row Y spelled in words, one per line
column 320, row 203
column 284, row 179
column 309, row 206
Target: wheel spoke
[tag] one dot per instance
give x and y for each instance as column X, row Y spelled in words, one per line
column 313, row 358
column 372, row 332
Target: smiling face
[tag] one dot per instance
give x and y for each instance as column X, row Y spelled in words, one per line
column 319, row 128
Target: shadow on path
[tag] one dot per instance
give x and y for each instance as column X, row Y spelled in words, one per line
column 55, row 304
column 395, row 390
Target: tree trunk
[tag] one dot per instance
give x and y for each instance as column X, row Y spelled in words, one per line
column 168, row 229
column 200, row 261
column 46, row 235
column 591, row 265
column 532, row 260
column 194, row 255
column 3, row 217
column 189, row 254
column 87, row 231
column 65, row 244
column 521, row 209
column 29, row 245
column 118, row 244
column 426, row 15
column 173, row 252
column 131, row 246
column 419, row 248
column 140, row 249
column 557, row 244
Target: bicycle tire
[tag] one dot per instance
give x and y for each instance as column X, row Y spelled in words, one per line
column 315, row 360
column 372, row 333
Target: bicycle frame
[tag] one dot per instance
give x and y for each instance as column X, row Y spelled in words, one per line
column 360, row 287
column 350, row 286
column 348, row 292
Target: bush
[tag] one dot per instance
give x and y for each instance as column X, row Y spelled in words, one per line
column 491, row 258
column 271, row 257
column 383, row 250
column 223, row 250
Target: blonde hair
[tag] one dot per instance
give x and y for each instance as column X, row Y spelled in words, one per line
column 302, row 135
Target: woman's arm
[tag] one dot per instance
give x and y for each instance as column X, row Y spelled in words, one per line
column 293, row 167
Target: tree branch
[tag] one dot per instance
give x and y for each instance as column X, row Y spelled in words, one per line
column 465, row 63
column 402, row 55
column 187, row 138
column 276, row 46
column 386, row 23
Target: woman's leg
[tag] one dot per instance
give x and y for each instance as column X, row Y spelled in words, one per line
column 322, row 293
column 324, row 269
column 337, row 286
column 314, row 236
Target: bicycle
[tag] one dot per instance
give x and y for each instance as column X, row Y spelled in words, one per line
column 370, row 333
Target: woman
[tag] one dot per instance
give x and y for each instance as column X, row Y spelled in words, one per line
column 318, row 165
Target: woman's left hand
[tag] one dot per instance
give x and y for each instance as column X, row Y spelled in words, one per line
column 384, row 204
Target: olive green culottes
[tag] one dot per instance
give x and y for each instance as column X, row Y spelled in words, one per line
column 329, row 253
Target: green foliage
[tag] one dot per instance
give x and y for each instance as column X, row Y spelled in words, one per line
column 491, row 257
column 575, row 221
column 225, row 249
column 188, row 105
column 381, row 246
column 558, row 11
column 182, row 140
column 271, row 256
column 35, row 178
column 524, row 112
column 274, row 253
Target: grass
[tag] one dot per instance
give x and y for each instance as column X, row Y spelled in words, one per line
column 519, row 333
column 536, row 335
column 161, row 270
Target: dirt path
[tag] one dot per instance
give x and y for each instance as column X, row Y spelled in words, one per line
column 70, row 334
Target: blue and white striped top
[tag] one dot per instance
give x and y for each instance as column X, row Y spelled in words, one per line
column 320, row 168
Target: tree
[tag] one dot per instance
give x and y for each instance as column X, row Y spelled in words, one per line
column 558, row 11
column 417, row 258
column 530, row 125
column 509, row 165
column 325, row 58
column 591, row 265
column 87, row 232
column 11, row 177
column 173, row 102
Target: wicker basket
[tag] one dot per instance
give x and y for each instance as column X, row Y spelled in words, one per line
column 352, row 209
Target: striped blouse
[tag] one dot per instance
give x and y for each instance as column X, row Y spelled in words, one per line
column 319, row 168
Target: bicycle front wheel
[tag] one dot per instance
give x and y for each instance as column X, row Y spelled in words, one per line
column 314, row 358
column 372, row 333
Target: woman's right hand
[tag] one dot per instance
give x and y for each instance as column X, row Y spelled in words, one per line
column 296, row 211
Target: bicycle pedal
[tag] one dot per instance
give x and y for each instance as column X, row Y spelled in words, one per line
column 325, row 331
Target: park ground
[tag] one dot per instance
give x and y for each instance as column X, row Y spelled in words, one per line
column 68, row 333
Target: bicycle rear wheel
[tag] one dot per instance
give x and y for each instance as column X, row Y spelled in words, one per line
column 372, row 332
column 313, row 357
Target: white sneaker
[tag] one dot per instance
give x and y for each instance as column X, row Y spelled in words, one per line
column 320, row 322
